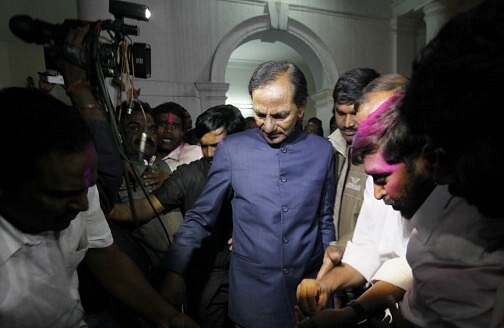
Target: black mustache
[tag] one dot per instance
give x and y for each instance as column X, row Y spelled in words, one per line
column 149, row 141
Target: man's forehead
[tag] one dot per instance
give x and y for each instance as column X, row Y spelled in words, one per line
column 346, row 108
column 137, row 117
column 170, row 114
column 372, row 100
column 375, row 164
column 69, row 169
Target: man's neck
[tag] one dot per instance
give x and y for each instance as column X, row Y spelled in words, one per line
column 166, row 154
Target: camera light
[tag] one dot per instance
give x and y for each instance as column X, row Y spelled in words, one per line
column 122, row 9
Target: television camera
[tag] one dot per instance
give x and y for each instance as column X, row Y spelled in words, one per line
column 114, row 56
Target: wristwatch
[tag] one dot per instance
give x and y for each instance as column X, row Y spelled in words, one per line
column 361, row 313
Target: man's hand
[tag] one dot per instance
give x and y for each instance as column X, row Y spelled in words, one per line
column 330, row 318
column 173, row 289
column 77, row 82
column 312, row 296
column 332, row 257
column 181, row 321
column 71, row 72
column 152, row 179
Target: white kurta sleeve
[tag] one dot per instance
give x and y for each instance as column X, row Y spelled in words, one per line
column 98, row 230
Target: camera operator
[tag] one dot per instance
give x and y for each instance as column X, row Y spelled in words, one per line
column 110, row 167
column 111, row 267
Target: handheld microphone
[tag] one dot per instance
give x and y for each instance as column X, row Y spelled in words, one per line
column 143, row 141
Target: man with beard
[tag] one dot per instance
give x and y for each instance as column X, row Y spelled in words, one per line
column 451, row 251
column 376, row 255
column 457, row 76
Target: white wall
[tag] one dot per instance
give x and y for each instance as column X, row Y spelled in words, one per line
column 185, row 34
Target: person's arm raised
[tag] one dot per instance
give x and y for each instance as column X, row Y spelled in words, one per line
column 79, row 89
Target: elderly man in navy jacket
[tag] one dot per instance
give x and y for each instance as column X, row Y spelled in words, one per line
column 280, row 181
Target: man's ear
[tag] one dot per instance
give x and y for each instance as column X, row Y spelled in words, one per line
column 430, row 156
column 439, row 164
column 301, row 112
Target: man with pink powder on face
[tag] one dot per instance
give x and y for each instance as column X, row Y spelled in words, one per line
column 376, row 252
column 452, row 250
column 172, row 122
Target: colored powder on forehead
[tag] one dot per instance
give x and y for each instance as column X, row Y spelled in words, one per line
column 89, row 171
column 379, row 162
column 392, row 100
column 171, row 118
column 369, row 126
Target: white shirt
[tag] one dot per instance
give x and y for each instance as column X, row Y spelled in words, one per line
column 184, row 154
column 38, row 277
column 455, row 279
column 378, row 247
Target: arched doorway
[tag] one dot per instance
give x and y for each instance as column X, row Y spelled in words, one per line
column 319, row 63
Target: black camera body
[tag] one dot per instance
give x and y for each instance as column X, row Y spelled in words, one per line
column 110, row 55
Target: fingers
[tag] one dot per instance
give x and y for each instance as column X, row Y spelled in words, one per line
column 306, row 323
column 325, row 319
column 302, row 321
column 77, row 36
column 73, row 48
column 152, row 181
column 73, row 45
column 335, row 253
column 327, row 265
column 310, row 297
column 298, row 315
column 173, row 289
column 332, row 257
